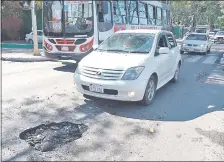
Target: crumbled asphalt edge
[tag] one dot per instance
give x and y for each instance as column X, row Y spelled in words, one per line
column 46, row 137
column 26, row 59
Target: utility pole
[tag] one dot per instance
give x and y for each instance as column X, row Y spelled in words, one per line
column 34, row 24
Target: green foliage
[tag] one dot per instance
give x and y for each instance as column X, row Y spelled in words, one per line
column 221, row 19
column 205, row 12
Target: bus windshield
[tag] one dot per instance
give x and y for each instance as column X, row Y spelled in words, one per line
column 68, row 18
column 78, row 17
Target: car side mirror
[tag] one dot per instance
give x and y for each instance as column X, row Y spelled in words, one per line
column 164, row 50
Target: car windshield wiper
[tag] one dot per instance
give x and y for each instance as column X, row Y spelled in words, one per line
column 137, row 52
column 116, row 50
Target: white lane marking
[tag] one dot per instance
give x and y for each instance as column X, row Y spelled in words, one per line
column 210, row 60
column 193, row 58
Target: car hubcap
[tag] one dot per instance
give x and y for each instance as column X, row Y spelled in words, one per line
column 177, row 73
column 151, row 90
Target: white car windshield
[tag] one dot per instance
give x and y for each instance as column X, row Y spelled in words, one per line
column 128, row 42
column 197, row 37
column 220, row 33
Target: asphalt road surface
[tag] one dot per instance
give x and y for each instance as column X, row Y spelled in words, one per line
column 185, row 122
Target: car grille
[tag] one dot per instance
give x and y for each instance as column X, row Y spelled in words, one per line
column 104, row 74
column 195, row 45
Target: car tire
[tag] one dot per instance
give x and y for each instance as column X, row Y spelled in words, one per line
column 181, row 52
column 209, row 50
column 205, row 53
column 30, row 41
column 150, row 91
column 176, row 74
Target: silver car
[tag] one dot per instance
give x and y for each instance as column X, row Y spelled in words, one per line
column 29, row 37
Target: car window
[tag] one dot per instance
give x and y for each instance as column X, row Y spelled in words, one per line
column 197, row 37
column 220, row 33
column 162, row 42
column 171, row 40
column 39, row 33
column 128, row 43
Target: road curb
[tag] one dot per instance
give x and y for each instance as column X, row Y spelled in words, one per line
column 19, row 46
column 26, row 59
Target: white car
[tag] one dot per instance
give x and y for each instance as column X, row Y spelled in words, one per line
column 211, row 35
column 29, row 37
column 129, row 66
column 219, row 37
column 196, row 42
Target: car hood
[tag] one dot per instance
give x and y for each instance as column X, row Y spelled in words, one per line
column 194, row 42
column 116, row 61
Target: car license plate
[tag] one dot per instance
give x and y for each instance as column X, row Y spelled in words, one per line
column 64, row 48
column 191, row 50
column 96, row 88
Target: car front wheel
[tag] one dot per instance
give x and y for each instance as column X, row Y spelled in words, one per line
column 176, row 74
column 209, row 50
column 150, row 91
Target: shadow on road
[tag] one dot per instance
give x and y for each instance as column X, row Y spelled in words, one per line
column 67, row 67
column 167, row 106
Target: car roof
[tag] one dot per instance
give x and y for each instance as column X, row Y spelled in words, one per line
column 153, row 31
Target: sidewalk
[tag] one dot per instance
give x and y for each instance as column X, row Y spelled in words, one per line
column 22, row 55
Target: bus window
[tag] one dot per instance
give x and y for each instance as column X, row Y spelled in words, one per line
column 158, row 16
column 52, row 18
column 119, row 12
column 78, row 18
column 151, row 15
column 132, row 12
column 164, row 17
column 142, row 13
column 104, row 15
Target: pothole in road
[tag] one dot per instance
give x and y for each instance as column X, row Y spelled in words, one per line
column 201, row 76
column 46, row 137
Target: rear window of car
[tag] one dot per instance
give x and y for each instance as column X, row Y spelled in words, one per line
column 197, row 37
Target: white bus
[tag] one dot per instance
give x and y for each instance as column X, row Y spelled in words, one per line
column 74, row 28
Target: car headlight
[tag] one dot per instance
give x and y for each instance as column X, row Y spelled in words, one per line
column 184, row 44
column 202, row 45
column 133, row 73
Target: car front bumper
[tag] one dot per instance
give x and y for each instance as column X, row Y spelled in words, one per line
column 219, row 39
column 70, row 55
column 115, row 90
column 193, row 49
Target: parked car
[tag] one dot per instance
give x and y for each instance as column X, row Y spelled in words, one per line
column 211, row 35
column 29, row 37
column 130, row 66
column 196, row 42
column 219, row 37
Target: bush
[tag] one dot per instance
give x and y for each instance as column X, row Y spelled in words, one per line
column 12, row 27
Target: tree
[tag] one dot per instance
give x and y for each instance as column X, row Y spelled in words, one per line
column 221, row 19
column 203, row 12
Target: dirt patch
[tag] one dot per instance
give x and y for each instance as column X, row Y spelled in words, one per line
column 46, row 137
